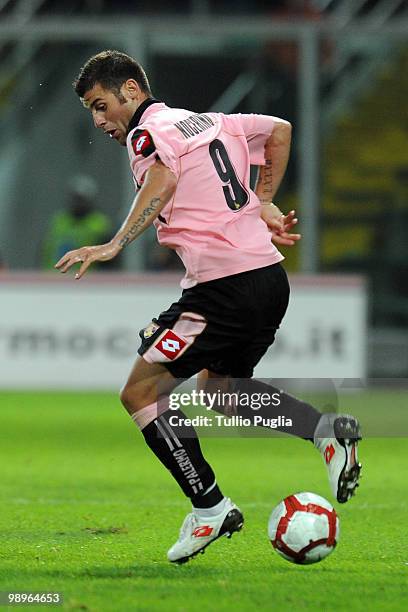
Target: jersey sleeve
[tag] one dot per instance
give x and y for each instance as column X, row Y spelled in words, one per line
column 145, row 146
column 257, row 129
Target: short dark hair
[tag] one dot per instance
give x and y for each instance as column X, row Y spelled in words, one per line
column 110, row 69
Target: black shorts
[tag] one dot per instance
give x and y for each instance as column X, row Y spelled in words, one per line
column 225, row 325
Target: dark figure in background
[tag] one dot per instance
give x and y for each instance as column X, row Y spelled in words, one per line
column 79, row 223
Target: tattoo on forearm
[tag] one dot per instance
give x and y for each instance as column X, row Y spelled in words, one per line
column 140, row 222
column 266, row 183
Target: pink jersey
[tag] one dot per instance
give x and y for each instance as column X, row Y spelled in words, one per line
column 213, row 220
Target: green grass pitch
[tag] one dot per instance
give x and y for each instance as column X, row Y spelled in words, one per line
column 87, row 510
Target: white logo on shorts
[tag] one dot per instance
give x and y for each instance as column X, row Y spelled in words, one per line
column 171, row 345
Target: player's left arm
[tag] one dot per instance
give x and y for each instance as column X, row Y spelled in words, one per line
column 158, row 188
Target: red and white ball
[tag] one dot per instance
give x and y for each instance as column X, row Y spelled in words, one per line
column 304, row 528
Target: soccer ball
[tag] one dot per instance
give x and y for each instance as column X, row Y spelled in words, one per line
column 304, row 528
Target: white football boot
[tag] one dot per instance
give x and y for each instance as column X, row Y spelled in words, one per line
column 337, row 437
column 197, row 533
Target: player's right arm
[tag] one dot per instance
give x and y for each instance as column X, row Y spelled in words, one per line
column 269, row 140
column 276, row 156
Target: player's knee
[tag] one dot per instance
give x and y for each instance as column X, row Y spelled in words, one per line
column 125, row 398
column 130, row 398
column 135, row 396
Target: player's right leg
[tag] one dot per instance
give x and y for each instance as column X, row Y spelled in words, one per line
column 145, row 396
column 337, row 437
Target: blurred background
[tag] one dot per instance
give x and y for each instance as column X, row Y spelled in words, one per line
column 336, row 69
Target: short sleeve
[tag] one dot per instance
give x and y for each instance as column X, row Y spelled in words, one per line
column 145, row 147
column 257, row 129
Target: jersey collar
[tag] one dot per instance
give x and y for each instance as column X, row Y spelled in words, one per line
column 135, row 120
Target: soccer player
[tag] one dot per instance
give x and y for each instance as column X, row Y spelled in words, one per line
column 191, row 172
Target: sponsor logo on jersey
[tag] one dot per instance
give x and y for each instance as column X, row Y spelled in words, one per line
column 139, row 144
column 142, row 143
column 171, row 345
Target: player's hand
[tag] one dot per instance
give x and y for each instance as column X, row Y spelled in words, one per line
column 86, row 256
column 280, row 226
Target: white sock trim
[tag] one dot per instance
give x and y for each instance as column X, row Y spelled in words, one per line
column 209, row 512
column 149, row 413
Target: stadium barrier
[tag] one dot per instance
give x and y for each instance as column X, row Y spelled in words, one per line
column 56, row 332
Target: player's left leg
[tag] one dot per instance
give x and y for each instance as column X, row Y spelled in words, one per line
column 145, row 396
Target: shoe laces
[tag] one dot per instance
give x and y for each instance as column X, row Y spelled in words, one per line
column 188, row 526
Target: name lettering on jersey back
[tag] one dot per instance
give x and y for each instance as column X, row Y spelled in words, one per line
column 193, row 125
